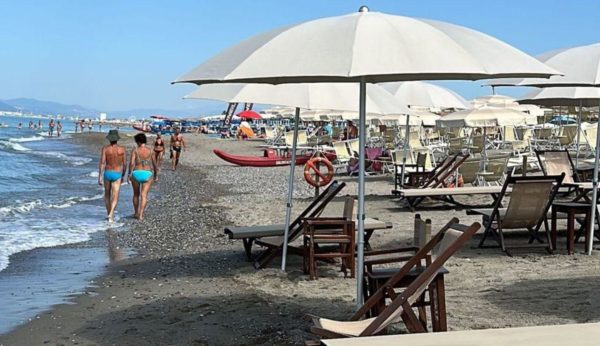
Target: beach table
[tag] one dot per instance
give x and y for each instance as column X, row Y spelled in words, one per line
column 582, row 191
column 582, row 334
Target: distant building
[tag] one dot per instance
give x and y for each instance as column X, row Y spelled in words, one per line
column 102, row 116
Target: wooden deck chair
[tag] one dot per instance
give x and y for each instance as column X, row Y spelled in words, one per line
column 414, row 141
column 431, row 257
column 497, row 167
column 477, row 143
column 555, row 162
column 530, row 200
column 267, row 235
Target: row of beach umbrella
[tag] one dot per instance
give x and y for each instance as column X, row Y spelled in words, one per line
column 362, row 48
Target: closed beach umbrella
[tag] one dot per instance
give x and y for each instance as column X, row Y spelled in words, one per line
column 366, row 47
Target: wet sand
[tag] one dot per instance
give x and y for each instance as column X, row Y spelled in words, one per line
column 191, row 285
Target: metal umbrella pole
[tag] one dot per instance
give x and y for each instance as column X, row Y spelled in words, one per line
column 594, row 193
column 288, row 206
column 578, row 132
column 405, row 149
column 362, row 117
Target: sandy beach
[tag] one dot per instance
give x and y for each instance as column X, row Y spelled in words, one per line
column 189, row 284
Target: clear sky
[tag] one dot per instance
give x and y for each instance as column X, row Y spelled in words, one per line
column 118, row 55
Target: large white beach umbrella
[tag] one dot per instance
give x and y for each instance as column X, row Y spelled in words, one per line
column 493, row 101
column 427, row 95
column 312, row 97
column 366, row 47
column 483, row 117
column 581, row 68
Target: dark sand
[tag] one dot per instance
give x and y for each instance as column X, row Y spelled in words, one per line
column 191, row 285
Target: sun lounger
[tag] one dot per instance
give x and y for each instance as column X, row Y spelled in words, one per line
column 581, row 334
column 414, row 197
column 252, row 234
column 431, row 257
column 530, row 201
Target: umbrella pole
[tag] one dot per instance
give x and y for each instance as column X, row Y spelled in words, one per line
column 405, row 150
column 578, row 132
column 594, row 193
column 288, row 206
column 361, row 193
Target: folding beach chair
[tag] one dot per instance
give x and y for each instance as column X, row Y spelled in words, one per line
column 445, row 244
column 342, row 155
column 530, row 201
column 270, row 235
column 555, row 162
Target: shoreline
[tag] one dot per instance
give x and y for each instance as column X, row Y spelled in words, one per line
column 190, row 284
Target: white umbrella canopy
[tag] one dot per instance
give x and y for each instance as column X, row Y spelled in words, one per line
column 366, row 47
column 580, row 65
column 493, row 101
column 316, row 96
column 427, row 95
column 399, row 120
column 482, row 117
column 425, row 118
column 563, row 96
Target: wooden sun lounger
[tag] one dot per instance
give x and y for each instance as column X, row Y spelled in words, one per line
column 582, row 334
column 251, row 233
column 415, row 196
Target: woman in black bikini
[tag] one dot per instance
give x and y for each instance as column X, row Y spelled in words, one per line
column 159, row 152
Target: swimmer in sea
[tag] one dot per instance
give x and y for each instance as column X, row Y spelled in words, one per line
column 111, row 169
column 142, row 168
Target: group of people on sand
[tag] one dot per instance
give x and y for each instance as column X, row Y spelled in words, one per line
column 141, row 171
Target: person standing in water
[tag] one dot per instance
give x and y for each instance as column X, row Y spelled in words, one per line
column 111, row 169
column 159, row 152
column 142, row 165
column 58, row 128
column 51, row 127
column 177, row 144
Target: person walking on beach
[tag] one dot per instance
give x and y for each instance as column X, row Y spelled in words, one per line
column 30, row 124
column 90, row 126
column 177, row 144
column 19, row 126
column 111, row 169
column 159, row 152
column 51, row 127
column 58, row 129
column 40, row 126
column 142, row 165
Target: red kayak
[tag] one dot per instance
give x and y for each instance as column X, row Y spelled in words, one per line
column 269, row 159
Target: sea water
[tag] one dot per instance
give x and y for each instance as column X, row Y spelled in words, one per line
column 49, row 196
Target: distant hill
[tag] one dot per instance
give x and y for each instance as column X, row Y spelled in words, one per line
column 48, row 107
column 7, row 108
column 29, row 105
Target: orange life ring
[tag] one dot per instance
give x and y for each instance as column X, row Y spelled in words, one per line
column 313, row 174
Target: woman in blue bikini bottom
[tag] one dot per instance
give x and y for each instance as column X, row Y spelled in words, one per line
column 142, row 168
